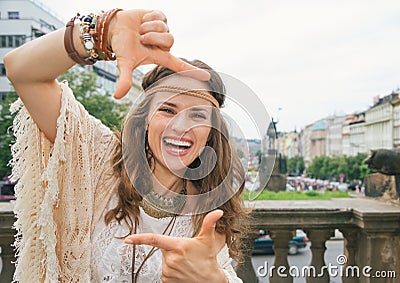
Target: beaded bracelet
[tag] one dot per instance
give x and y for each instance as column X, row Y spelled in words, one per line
column 93, row 34
column 88, row 31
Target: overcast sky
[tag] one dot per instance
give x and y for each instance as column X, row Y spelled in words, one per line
column 310, row 58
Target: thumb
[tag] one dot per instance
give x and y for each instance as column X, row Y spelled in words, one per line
column 209, row 223
column 124, row 82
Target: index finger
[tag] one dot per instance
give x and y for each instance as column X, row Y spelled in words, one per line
column 168, row 60
column 160, row 241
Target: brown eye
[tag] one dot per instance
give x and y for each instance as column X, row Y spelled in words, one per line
column 166, row 110
column 199, row 116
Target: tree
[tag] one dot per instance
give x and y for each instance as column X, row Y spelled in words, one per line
column 85, row 89
column 295, row 165
column 353, row 167
column 6, row 135
column 315, row 168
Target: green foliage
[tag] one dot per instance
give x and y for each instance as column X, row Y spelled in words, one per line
column 295, row 165
column 6, row 135
column 353, row 167
column 311, row 193
column 85, row 89
column 306, row 195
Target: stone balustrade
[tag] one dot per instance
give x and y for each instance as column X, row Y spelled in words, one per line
column 6, row 239
column 371, row 230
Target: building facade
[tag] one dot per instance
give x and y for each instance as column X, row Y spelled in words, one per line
column 377, row 127
column 379, row 124
column 22, row 21
column 289, row 144
column 346, row 147
column 396, row 122
column 318, row 132
column 357, row 134
column 305, row 144
column 334, row 135
column 25, row 20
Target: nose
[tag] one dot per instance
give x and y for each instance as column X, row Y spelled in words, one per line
column 180, row 123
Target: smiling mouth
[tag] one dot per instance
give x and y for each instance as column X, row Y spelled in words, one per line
column 176, row 145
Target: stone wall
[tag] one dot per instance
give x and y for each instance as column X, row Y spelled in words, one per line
column 379, row 185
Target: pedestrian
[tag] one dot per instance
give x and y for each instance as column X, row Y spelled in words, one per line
column 132, row 205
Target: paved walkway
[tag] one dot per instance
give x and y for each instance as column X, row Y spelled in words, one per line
column 6, row 206
column 362, row 204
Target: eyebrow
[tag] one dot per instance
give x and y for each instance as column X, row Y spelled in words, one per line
column 167, row 103
column 195, row 108
column 199, row 109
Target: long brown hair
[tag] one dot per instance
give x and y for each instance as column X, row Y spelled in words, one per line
column 234, row 220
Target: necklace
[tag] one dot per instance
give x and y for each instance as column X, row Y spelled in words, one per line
column 135, row 275
column 159, row 206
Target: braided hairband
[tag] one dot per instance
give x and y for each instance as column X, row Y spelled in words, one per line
column 182, row 90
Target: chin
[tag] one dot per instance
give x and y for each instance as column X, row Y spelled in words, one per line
column 178, row 166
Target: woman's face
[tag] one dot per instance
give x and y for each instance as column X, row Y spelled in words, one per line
column 178, row 129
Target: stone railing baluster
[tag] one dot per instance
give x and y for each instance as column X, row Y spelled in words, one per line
column 318, row 239
column 280, row 273
column 351, row 237
column 7, row 251
column 245, row 270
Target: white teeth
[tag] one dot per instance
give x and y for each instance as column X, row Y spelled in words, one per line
column 175, row 142
column 178, row 150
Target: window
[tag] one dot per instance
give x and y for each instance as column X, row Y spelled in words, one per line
column 3, row 41
column 18, row 40
column 13, row 15
column 11, row 41
column 2, row 70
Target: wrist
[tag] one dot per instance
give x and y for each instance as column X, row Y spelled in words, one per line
column 111, row 31
column 79, row 47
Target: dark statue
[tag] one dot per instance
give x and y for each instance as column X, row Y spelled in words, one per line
column 387, row 162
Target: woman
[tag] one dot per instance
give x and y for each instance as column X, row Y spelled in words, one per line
column 82, row 189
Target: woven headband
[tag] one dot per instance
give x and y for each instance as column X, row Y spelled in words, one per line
column 182, row 90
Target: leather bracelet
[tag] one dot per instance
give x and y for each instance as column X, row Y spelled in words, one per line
column 70, row 47
column 103, row 26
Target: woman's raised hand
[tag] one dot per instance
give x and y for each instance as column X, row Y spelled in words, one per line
column 188, row 259
column 141, row 37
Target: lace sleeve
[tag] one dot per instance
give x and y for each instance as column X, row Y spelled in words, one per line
column 225, row 262
column 55, row 192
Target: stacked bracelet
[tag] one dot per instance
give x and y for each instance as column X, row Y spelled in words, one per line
column 101, row 39
column 70, row 47
column 93, row 34
column 88, row 35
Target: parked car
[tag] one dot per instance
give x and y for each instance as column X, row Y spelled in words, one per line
column 7, row 191
column 264, row 244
